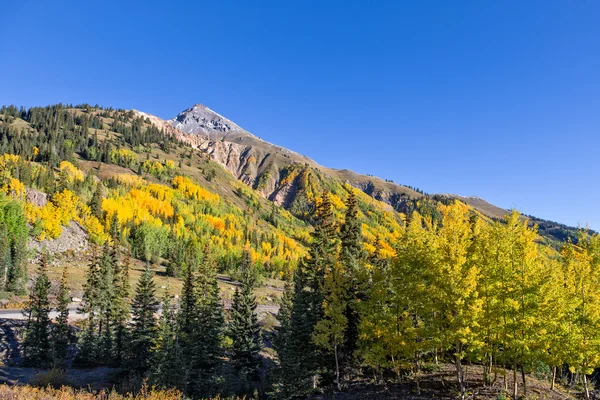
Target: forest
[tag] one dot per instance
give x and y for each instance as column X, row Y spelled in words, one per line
column 371, row 293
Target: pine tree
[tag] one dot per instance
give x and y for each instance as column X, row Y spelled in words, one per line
column 36, row 345
column 106, row 305
column 244, row 329
column 120, row 307
column 88, row 341
column 143, row 325
column 60, row 334
column 352, row 275
column 209, row 326
column 301, row 361
column 96, row 201
column 166, row 370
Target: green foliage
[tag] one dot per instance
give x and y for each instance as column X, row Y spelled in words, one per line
column 13, row 238
column 244, row 330
column 37, row 345
column 61, row 337
column 143, row 325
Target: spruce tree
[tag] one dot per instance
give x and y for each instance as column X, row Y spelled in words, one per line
column 166, row 371
column 244, row 329
column 36, row 345
column 96, row 201
column 143, row 325
column 352, row 273
column 301, row 361
column 205, row 346
column 88, row 340
column 60, row 333
column 106, row 297
column 120, row 307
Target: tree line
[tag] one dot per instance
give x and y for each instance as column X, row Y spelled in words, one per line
column 460, row 288
column 173, row 346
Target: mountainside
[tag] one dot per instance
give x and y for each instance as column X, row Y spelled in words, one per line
column 265, row 167
column 101, row 198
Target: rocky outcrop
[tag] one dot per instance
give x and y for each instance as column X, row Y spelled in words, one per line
column 73, row 238
column 36, row 197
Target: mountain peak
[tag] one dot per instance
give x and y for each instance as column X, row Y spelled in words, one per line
column 201, row 120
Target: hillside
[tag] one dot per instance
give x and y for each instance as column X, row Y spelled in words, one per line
column 387, row 280
column 263, row 166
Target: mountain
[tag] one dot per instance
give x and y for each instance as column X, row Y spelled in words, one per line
column 264, row 166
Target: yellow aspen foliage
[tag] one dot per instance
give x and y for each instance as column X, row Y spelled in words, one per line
column 582, row 272
column 192, row 191
column 216, row 222
column 15, row 188
column 123, row 156
column 66, row 203
column 130, row 180
column 72, row 173
column 150, row 203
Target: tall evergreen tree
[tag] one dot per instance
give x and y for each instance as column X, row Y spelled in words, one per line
column 96, row 201
column 120, row 307
column 106, row 303
column 166, row 370
column 36, row 345
column 301, row 362
column 60, row 333
column 88, row 340
column 206, row 349
column 353, row 274
column 143, row 325
column 244, row 329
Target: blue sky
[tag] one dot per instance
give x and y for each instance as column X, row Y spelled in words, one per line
column 495, row 99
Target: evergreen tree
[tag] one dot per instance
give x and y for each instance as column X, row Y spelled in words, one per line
column 106, row 305
column 96, row 201
column 36, row 345
column 143, row 325
column 244, row 329
column 166, row 371
column 60, row 333
column 351, row 275
column 206, row 349
column 120, row 309
column 301, row 362
column 88, row 340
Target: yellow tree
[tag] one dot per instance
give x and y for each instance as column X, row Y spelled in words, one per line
column 582, row 274
column 515, row 272
column 390, row 330
column 456, row 307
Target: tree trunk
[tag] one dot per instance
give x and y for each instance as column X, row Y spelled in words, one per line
column 553, row 378
column 459, row 373
column 337, row 368
column 515, row 383
column 585, row 385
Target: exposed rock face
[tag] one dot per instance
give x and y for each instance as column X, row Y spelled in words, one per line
column 200, row 119
column 256, row 162
column 73, row 238
column 36, row 197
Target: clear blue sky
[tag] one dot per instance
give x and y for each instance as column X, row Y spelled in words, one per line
column 498, row 99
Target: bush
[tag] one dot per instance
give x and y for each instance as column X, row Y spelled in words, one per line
column 54, row 378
